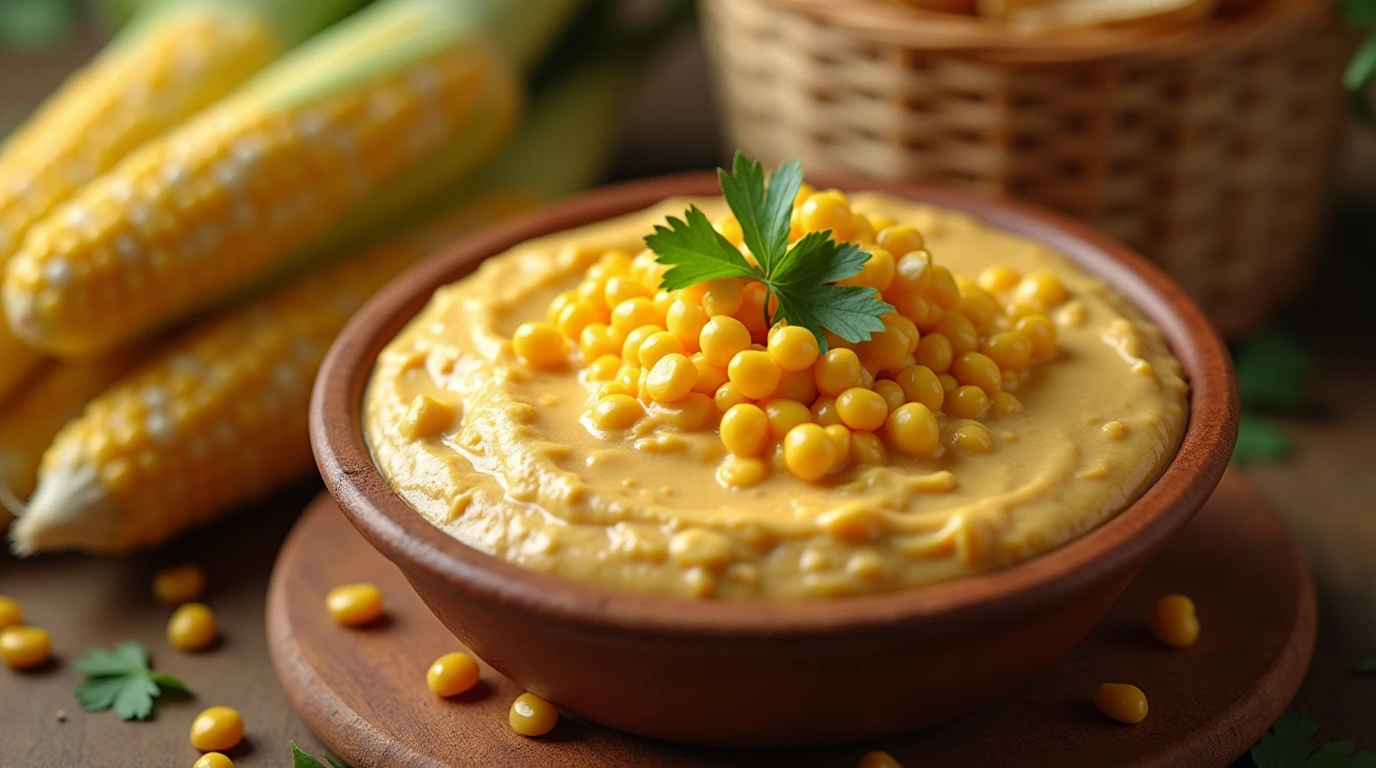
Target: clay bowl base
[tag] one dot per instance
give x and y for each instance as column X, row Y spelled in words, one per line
column 363, row 691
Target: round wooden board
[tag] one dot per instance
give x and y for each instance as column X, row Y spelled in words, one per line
column 363, row 691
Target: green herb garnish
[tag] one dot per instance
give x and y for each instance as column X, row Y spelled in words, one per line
column 799, row 280
column 121, row 680
column 300, row 759
column 1361, row 68
column 1287, row 745
column 1273, row 369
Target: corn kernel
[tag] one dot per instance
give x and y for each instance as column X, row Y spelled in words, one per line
column 784, row 415
column 934, row 351
column 742, row 472
column 913, row 430
column 900, row 239
column 942, row 289
column 623, row 288
column 754, row 372
column 892, row 392
column 213, row 760
column 745, row 429
column 686, row 320
column 998, row 279
column 635, row 313
column 948, row 383
column 616, row 412
column 598, row 339
column 824, row 411
column 730, row 229
column 556, row 307
column 840, row 437
column 722, row 338
column 603, row 368
column 192, row 627
column 878, row 760
column 452, row 674
column 793, row 347
column 809, row 453
column 24, row 647
column 217, row 729
column 973, row 438
column 797, row 385
column 1009, row 349
column 837, row 370
column 575, row 317
column 1042, row 288
column 1122, row 702
column 912, row 275
column 727, row 395
column 862, row 409
column 723, row 297
column 541, row 345
column 532, row 716
column 825, row 210
column 426, row 417
column 867, row 449
column 1039, row 330
column 11, row 613
column 967, row 402
column 672, row 378
column 1174, row 621
column 977, row 369
column 884, row 350
column 593, row 292
column 861, row 230
column 959, row 331
column 1006, row 404
column 630, row 348
column 877, row 272
column 354, row 605
column 694, row 412
column 920, row 385
column 659, row 344
column 710, row 377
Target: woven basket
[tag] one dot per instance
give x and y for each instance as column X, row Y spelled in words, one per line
column 1210, row 149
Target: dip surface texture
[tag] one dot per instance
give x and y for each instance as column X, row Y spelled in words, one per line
column 499, row 455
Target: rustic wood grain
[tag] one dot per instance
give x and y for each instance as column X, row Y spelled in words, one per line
column 363, row 691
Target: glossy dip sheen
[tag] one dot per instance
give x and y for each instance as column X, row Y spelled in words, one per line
column 515, row 473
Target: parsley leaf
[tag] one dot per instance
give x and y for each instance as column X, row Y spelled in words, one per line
column 1286, row 745
column 1259, row 439
column 300, row 759
column 1273, row 369
column 799, row 281
column 120, row 680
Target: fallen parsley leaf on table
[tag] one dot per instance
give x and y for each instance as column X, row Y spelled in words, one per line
column 300, row 759
column 1273, row 369
column 1259, row 438
column 120, row 680
column 1287, row 745
column 799, row 279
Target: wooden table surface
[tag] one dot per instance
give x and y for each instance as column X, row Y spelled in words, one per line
column 1326, row 492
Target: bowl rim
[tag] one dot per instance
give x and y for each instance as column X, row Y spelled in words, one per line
column 1111, row 550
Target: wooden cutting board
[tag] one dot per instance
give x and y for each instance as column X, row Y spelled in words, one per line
column 363, row 691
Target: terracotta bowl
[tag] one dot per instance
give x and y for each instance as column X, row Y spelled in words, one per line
column 774, row 674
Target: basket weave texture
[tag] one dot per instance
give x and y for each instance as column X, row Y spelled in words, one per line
column 1209, row 149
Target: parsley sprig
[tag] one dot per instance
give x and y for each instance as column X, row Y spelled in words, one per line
column 1287, row 745
column 799, row 281
column 122, row 681
column 300, row 759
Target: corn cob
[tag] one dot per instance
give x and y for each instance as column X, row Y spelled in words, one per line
column 230, row 198
column 220, row 416
column 167, row 65
column 29, row 421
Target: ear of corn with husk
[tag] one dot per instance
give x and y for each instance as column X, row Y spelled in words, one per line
column 235, row 195
column 56, row 394
column 166, row 65
column 219, row 417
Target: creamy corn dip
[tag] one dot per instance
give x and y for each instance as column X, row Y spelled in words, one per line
column 563, row 458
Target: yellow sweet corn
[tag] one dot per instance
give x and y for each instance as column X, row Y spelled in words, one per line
column 234, row 195
column 17, row 362
column 168, row 64
column 28, row 421
column 219, row 417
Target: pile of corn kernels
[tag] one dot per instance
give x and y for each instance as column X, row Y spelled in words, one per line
column 703, row 355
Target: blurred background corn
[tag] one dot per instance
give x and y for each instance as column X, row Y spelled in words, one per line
column 219, row 416
column 57, row 393
column 228, row 199
column 17, row 362
column 170, row 62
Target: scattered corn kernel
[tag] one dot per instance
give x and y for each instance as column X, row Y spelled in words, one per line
column 809, row 453
column 967, row 402
column 913, row 430
column 24, row 647
column 532, row 716
column 426, row 417
column 973, row 438
column 452, row 674
column 977, row 369
column 672, row 378
column 745, row 429
column 354, row 605
column 217, row 729
column 1174, row 621
column 213, row 760
column 921, row 385
column 998, row 279
column 192, row 627
column 1122, row 702
column 1039, row 330
column 541, row 345
column 11, row 612
column 1041, row 288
